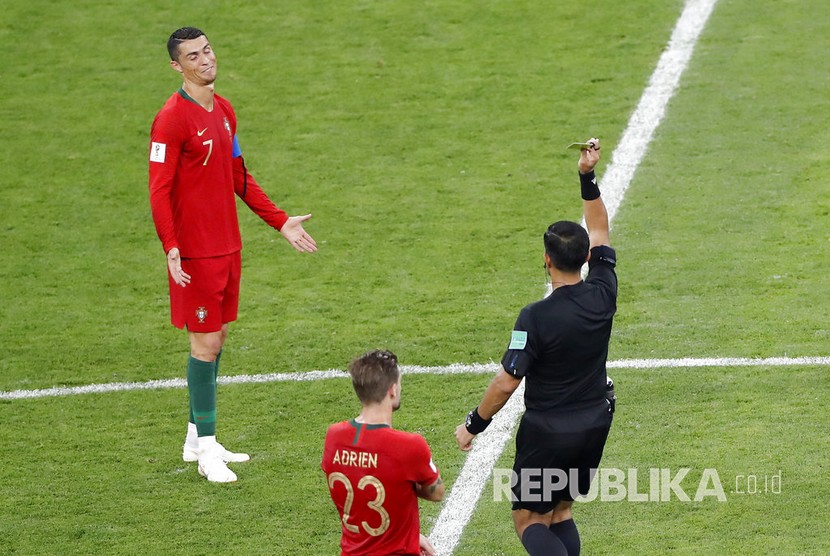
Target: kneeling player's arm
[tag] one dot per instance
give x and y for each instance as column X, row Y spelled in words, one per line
column 433, row 492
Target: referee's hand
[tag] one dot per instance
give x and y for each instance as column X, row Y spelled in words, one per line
column 589, row 157
column 464, row 438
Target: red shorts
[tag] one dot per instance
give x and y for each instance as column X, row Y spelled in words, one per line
column 211, row 298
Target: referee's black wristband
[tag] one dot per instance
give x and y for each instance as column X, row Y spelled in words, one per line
column 590, row 189
column 475, row 423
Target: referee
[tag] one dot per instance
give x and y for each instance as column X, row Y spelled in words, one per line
column 560, row 346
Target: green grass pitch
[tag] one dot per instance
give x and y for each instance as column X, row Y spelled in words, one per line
column 428, row 140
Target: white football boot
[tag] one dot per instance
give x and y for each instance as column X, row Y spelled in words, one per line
column 190, row 450
column 211, row 465
column 190, row 453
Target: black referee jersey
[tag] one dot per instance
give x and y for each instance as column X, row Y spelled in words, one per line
column 560, row 344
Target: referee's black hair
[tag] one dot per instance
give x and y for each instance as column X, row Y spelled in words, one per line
column 178, row 37
column 567, row 245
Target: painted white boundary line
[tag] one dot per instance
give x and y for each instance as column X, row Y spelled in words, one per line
column 652, row 106
column 60, row 391
column 627, row 156
column 717, row 362
column 467, row 488
column 454, row 369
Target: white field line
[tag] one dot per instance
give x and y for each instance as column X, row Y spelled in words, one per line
column 454, row 369
column 627, row 156
column 467, row 488
column 60, row 391
column 652, row 106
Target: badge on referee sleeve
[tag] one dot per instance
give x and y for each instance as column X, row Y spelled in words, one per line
column 518, row 339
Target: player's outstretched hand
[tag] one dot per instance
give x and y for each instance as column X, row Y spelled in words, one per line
column 295, row 234
column 464, row 438
column 588, row 158
column 174, row 265
column 426, row 547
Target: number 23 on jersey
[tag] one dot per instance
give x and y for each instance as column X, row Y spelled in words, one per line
column 375, row 505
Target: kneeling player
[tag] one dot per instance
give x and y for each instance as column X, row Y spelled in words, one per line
column 376, row 473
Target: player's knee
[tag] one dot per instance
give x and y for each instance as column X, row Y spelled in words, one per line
column 522, row 519
column 203, row 354
column 206, row 346
column 562, row 512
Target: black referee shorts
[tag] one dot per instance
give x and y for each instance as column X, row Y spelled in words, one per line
column 557, row 454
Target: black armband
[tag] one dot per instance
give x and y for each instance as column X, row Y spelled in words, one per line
column 590, row 189
column 475, row 424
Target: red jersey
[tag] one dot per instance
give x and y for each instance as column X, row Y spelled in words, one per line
column 196, row 167
column 372, row 471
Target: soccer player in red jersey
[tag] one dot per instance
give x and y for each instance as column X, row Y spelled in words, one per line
column 376, row 473
column 196, row 169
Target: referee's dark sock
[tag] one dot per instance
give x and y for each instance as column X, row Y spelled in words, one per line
column 568, row 534
column 538, row 540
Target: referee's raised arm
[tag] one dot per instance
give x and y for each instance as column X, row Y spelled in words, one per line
column 596, row 216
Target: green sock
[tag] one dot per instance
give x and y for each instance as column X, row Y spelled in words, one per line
column 216, row 377
column 201, row 383
column 190, row 396
column 216, row 366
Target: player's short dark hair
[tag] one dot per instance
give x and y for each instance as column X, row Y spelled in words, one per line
column 178, row 37
column 567, row 245
column 372, row 375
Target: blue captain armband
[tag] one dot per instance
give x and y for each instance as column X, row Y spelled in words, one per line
column 237, row 150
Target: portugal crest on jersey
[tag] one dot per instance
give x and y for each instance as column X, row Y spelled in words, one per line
column 228, row 127
column 201, row 314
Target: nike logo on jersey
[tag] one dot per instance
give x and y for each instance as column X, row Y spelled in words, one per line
column 200, row 133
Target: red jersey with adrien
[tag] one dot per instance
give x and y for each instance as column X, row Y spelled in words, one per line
column 196, row 166
column 372, row 471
